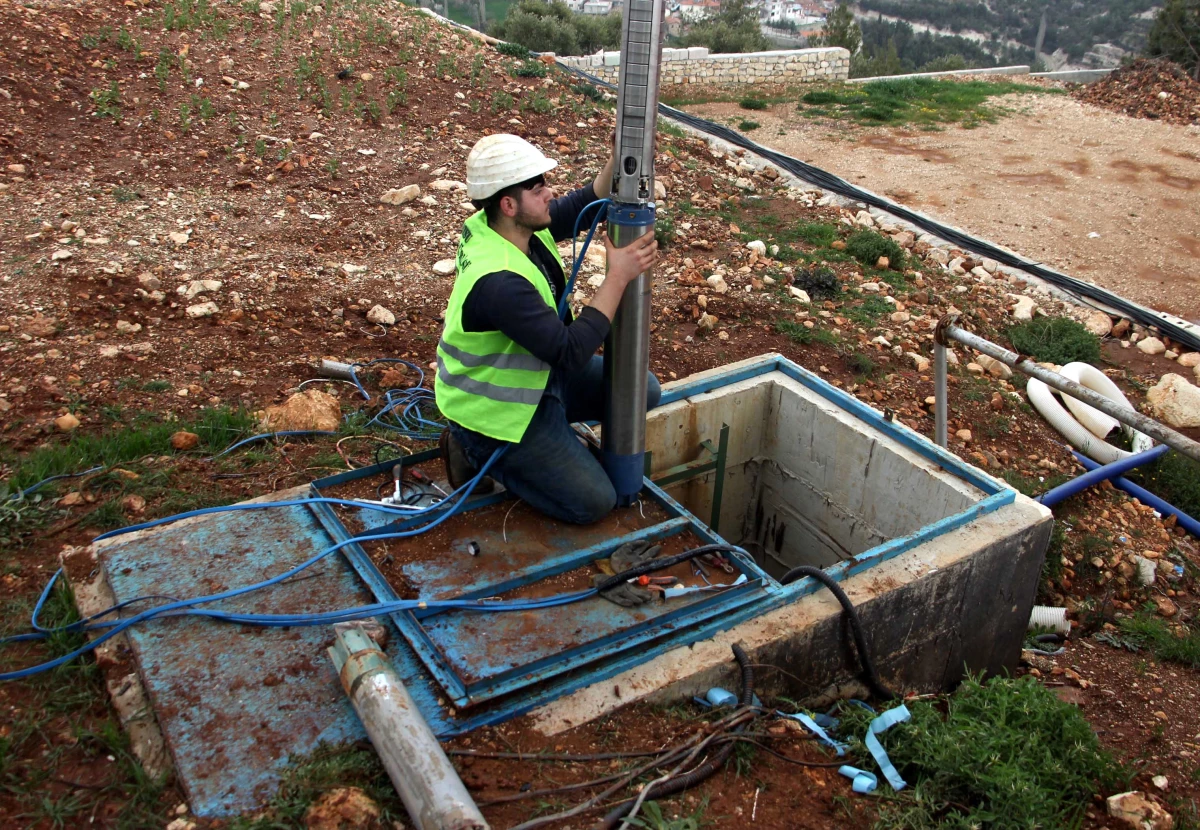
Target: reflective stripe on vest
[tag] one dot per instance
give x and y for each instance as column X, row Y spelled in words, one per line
column 485, row 381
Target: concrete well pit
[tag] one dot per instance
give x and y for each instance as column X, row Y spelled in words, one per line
column 941, row 560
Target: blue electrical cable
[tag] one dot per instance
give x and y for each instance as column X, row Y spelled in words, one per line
column 455, row 502
column 578, row 257
column 287, row 433
column 20, row 494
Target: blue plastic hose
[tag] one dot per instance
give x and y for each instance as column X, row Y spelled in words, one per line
column 1089, row 479
column 1146, row 497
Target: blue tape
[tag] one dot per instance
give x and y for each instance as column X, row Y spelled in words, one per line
column 863, row 782
column 625, row 472
column 812, row 726
column 881, row 724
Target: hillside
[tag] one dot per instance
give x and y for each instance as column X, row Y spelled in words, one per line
column 1074, row 28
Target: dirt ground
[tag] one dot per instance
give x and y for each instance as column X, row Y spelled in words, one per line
column 1040, row 183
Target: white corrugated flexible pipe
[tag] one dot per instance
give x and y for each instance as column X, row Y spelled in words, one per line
column 1087, row 433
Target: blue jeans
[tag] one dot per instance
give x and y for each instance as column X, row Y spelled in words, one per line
column 551, row 468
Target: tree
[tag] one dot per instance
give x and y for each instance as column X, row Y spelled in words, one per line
column 733, row 29
column 1176, row 35
column 552, row 27
column 841, row 30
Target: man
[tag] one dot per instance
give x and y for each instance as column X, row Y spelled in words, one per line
column 511, row 373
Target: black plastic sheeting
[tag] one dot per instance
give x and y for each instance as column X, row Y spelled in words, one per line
column 835, row 184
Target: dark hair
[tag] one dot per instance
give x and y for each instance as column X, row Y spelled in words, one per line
column 491, row 205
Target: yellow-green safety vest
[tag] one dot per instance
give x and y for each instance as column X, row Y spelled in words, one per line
column 485, row 381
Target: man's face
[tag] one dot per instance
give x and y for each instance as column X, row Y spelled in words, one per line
column 533, row 207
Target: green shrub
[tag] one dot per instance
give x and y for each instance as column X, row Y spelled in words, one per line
column 530, row 69
column 820, row 283
column 819, row 97
column 1055, row 340
column 513, row 50
column 745, row 125
column 664, row 228
column 752, row 103
column 1007, row 753
column 867, row 247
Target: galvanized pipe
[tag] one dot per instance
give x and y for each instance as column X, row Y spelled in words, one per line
column 427, row 783
column 1129, row 417
column 939, row 395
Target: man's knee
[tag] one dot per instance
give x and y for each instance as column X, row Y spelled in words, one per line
column 591, row 501
column 653, row 391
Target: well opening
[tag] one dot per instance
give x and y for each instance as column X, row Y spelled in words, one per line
column 806, row 481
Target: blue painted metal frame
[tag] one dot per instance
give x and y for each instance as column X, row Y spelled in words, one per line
column 464, row 694
column 759, row 594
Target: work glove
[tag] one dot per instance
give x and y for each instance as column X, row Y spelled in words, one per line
column 629, row 555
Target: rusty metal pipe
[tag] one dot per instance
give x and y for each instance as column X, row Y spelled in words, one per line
column 427, row 783
column 947, row 330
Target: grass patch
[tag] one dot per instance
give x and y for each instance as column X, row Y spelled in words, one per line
column 921, row 102
column 1004, row 753
column 746, row 125
column 868, row 312
column 806, row 336
column 753, row 103
column 217, row 427
column 326, row 768
column 1147, row 631
column 1174, row 478
column 1055, row 340
column 867, row 247
column 651, row 817
column 1033, row 486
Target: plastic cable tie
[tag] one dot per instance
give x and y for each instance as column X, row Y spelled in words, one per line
column 863, row 782
column 811, row 725
column 881, row 724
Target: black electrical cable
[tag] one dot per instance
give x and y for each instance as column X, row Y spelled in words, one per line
column 860, row 641
column 663, row 562
column 706, row 770
column 835, row 184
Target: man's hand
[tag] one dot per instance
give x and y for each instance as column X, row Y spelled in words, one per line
column 624, row 264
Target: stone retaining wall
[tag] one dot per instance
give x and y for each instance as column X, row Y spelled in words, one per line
column 696, row 66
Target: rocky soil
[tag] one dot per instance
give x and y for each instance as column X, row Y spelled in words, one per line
column 200, row 203
column 1154, row 89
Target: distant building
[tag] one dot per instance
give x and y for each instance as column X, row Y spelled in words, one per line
column 691, row 11
column 597, row 6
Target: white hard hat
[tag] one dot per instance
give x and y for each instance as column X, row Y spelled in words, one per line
column 500, row 161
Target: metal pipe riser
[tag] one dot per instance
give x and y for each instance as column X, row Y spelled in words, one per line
column 627, row 364
column 431, row 790
column 1129, row 417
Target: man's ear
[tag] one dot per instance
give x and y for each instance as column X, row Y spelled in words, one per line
column 509, row 206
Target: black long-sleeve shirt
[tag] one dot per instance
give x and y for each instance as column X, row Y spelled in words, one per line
column 505, row 301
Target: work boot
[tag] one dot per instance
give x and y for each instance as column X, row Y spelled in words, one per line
column 459, row 470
